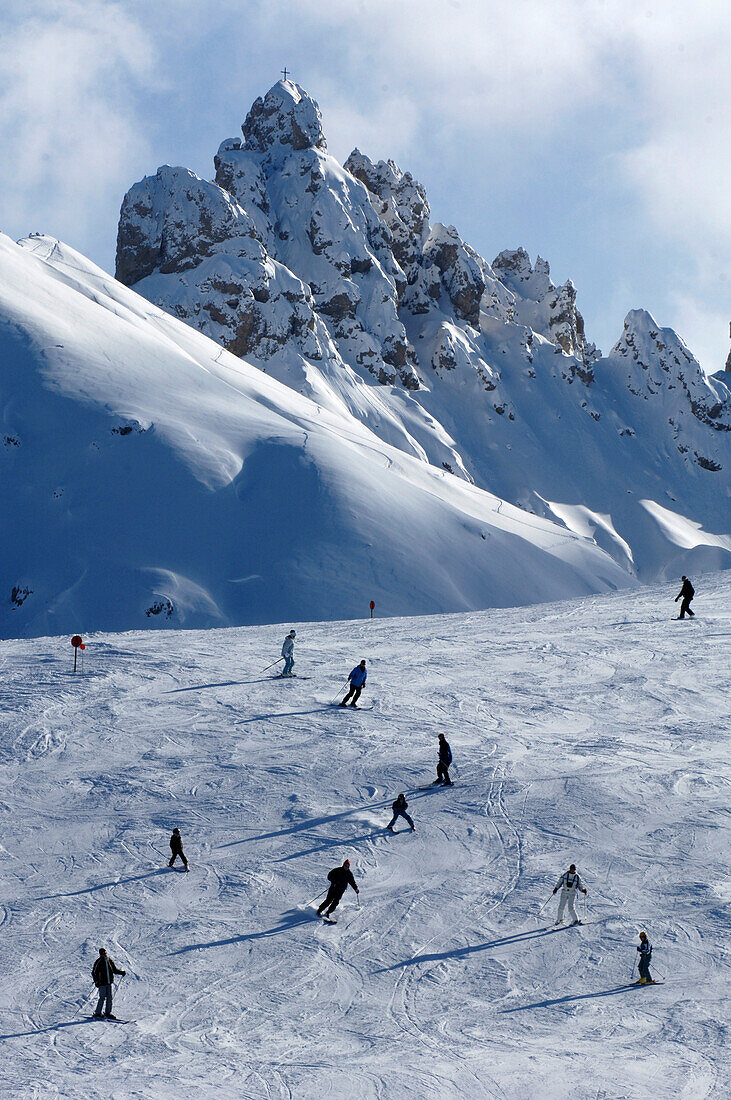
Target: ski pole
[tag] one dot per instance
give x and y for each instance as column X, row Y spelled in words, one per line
column 545, row 903
column 271, row 665
column 634, row 964
column 340, row 690
column 121, row 977
column 86, row 998
column 314, row 899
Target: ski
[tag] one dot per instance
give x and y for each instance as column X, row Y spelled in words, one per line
column 326, row 920
column 108, row 1019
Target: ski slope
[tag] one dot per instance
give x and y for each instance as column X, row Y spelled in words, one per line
column 180, row 486
column 592, row 731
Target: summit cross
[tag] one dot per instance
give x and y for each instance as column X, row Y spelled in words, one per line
column 285, row 72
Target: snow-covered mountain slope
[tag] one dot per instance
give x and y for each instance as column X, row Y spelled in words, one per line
column 332, row 279
column 147, row 476
column 592, row 731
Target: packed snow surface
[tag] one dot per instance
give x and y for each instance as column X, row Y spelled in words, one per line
column 592, row 731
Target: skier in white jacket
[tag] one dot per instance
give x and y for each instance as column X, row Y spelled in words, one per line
column 569, row 884
column 288, row 653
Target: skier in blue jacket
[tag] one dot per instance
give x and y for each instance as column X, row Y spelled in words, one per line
column 357, row 680
column 445, row 759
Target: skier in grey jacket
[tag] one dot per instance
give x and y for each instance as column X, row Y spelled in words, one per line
column 569, row 884
column 288, row 653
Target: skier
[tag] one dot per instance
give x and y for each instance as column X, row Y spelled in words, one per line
column 288, row 653
column 340, row 879
column 357, row 680
column 445, row 759
column 687, row 592
column 568, row 884
column 103, row 973
column 399, row 808
column 645, row 950
column 176, row 847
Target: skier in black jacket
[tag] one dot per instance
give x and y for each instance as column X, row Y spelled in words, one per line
column 445, row 759
column 176, row 847
column 687, row 592
column 399, row 808
column 340, row 879
column 103, row 972
column 645, row 950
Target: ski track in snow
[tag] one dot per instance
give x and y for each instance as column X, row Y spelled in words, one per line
column 592, row 731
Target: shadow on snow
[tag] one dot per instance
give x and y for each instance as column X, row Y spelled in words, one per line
column 105, row 885
column 572, row 997
column 292, row 919
column 312, row 822
column 462, row 952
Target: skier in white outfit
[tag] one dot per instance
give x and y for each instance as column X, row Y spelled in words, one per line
column 288, row 653
column 569, row 884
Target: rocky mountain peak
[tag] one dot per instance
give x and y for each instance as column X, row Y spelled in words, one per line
column 658, row 361
column 286, row 115
column 542, row 306
column 330, row 278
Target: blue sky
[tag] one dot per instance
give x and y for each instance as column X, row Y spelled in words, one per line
column 594, row 132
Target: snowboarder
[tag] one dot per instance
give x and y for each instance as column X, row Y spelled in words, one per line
column 288, row 653
column 645, row 950
column 357, row 680
column 399, row 808
column 687, row 592
column 103, row 973
column 176, row 847
column 445, row 759
column 340, row 879
column 568, row 884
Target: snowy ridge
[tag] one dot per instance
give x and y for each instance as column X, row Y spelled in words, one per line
column 598, row 737
column 175, row 484
column 332, row 279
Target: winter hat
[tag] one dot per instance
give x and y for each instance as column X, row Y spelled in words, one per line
column 346, row 863
column 572, row 867
column 293, row 633
column 102, row 951
column 176, row 829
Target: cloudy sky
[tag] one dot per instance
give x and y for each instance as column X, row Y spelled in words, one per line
column 594, row 132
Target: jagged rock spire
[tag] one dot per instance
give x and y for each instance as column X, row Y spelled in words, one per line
column 286, row 115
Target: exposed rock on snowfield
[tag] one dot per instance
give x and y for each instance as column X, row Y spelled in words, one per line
column 332, row 279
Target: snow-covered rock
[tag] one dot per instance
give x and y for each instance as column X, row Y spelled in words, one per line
column 332, row 279
column 543, row 307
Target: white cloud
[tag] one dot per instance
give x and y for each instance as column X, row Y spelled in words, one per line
column 68, row 121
